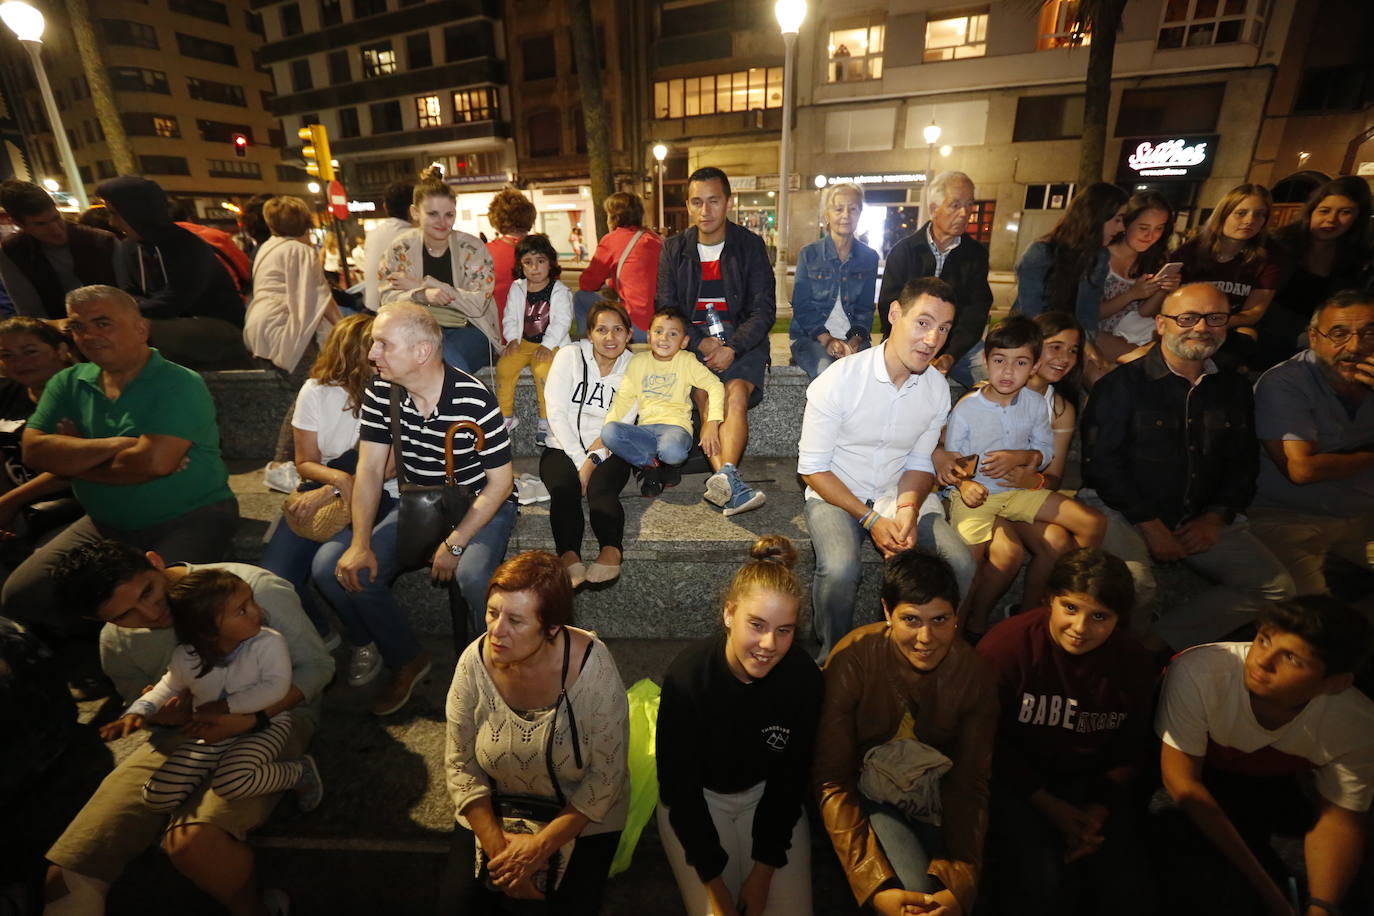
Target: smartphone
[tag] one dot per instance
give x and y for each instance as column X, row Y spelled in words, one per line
column 968, row 465
column 1173, row 267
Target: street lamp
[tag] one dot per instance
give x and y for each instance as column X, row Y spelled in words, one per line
column 932, row 136
column 313, row 187
column 660, row 153
column 790, row 14
column 26, row 22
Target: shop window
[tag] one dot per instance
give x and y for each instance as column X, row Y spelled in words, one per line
column 475, row 105
column 544, row 129
column 744, row 90
column 418, row 52
column 855, row 52
column 1048, row 117
column 1202, row 23
column 539, row 58
column 1061, row 26
column 427, row 111
column 956, row 37
column 1175, row 110
column 386, row 117
column 378, row 60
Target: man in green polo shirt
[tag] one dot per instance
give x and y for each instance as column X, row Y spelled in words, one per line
column 137, row 436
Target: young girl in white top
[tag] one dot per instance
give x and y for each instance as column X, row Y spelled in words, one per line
column 1136, row 285
column 538, row 316
column 230, row 663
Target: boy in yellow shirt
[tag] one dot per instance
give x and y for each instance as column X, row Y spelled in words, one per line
column 661, row 381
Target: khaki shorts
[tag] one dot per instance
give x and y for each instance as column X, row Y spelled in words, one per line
column 975, row 525
column 115, row 826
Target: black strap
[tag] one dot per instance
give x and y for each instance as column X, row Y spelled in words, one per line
column 583, row 402
column 396, row 432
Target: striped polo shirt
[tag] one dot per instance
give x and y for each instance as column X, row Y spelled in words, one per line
column 422, row 438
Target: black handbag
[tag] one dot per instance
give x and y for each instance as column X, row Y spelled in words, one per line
column 429, row 512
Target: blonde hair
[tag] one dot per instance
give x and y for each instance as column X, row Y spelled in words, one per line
column 769, row 569
column 1210, row 237
column 287, row 216
column 343, row 359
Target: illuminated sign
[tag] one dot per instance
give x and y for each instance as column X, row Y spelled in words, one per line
column 1166, row 158
column 890, row 178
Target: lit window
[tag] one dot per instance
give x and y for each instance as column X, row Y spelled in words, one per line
column 743, row 90
column 855, row 53
column 1202, row 23
column 427, row 111
column 378, row 60
column 474, row 105
column 166, row 127
column 957, row 37
column 1061, row 27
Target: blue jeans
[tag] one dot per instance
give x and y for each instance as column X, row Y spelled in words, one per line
column 640, row 445
column 582, row 304
column 970, row 368
column 909, row 845
column 838, row 540
column 467, row 349
column 374, row 614
column 809, row 356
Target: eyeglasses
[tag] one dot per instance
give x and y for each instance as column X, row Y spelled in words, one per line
column 1188, row 319
column 1340, row 334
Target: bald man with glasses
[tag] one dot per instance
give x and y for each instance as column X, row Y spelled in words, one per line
column 1169, row 448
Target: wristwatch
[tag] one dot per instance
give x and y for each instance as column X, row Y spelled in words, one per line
column 455, row 549
column 596, row 459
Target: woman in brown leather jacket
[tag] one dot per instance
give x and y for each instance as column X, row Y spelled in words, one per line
column 908, row 676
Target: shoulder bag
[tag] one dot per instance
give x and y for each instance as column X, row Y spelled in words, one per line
column 614, row 294
column 429, row 511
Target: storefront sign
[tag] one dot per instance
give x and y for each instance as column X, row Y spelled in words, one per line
column 1166, row 158
column 891, row 178
column 479, row 179
column 362, row 206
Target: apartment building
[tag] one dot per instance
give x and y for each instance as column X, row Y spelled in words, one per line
column 399, row 84
column 184, row 84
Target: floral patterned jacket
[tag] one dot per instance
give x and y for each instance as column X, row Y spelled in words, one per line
column 472, row 271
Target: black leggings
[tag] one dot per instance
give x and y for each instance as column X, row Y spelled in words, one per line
column 565, row 500
column 578, row 894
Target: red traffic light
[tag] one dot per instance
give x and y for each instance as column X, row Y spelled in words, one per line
column 240, row 144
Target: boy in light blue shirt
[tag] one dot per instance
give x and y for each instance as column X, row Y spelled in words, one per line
column 1006, row 426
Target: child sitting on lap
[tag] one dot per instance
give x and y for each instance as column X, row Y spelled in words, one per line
column 230, row 663
column 538, row 316
column 661, row 381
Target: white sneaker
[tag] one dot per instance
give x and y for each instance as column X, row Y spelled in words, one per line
column 541, row 434
column 364, row 665
column 530, row 489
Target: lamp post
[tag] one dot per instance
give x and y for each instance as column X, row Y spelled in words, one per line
column 26, row 22
column 660, row 153
column 790, row 14
column 932, row 136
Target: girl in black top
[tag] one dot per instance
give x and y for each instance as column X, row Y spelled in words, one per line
column 736, row 730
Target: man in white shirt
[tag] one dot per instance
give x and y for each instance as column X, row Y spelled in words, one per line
column 379, row 239
column 872, row 420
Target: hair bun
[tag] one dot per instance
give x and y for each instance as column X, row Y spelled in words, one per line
column 774, row 548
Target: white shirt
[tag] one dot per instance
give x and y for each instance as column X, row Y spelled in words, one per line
column 323, row 410
column 837, row 323
column 577, row 411
column 256, row 675
column 375, row 247
column 865, row 430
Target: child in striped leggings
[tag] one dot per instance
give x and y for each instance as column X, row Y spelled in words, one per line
column 229, row 662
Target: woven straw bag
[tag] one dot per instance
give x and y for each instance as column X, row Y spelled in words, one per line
column 327, row 521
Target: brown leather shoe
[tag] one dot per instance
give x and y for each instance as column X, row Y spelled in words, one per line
column 397, row 693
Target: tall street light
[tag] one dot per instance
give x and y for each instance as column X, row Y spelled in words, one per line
column 932, row 136
column 660, row 153
column 26, row 23
column 790, row 14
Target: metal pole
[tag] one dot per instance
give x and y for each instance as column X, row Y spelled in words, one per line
column 661, row 227
column 930, row 165
column 789, row 42
column 64, row 149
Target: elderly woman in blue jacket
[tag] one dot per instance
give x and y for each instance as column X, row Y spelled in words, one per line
column 832, row 301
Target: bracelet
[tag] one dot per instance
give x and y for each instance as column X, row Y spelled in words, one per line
column 1327, row 905
column 1041, row 484
column 869, row 520
column 901, row 506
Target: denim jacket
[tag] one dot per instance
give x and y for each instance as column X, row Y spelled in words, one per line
column 1032, row 286
column 820, row 275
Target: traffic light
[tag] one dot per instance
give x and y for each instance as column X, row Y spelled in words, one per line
column 240, row 145
column 316, row 152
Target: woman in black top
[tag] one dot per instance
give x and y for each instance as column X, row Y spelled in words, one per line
column 736, row 730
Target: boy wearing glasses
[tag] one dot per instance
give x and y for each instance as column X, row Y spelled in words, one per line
column 1315, row 419
column 1169, row 445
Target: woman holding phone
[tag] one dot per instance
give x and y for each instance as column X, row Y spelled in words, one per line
column 1139, row 276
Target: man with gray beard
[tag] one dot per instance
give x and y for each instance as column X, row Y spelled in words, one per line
column 1169, row 447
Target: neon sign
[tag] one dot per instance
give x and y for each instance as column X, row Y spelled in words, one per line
column 1167, row 158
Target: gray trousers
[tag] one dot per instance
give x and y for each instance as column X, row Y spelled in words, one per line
column 1245, row 574
column 200, row 536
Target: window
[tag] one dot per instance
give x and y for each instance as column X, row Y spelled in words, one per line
column 210, row 10
column 956, row 37
column 1200, row 23
column 331, row 12
column 866, row 130
column 84, row 171
column 138, row 79
column 743, row 90
column 427, row 111
column 211, row 91
column 234, row 168
column 291, row 20
column 205, row 49
column 540, row 59
column 348, row 123
column 418, row 53
column 1060, row 26
column 544, row 129
column 148, row 124
column 163, row 165
column 222, row 132
column 104, row 168
column 385, row 171
column 254, row 23
column 463, row 164
column 856, row 52
column 1175, row 110
column 338, row 68
column 378, row 60
column 132, row 34
column 475, row 105
column 386, row 117
column 961, row 123
column 1048, row 117
column 301, row 79
column 363, row 8
column 1333, row 89
column 463, row 42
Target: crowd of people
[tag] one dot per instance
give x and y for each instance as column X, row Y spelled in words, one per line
column 1219, row 390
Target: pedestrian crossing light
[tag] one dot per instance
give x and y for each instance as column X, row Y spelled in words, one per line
column 316, row 152
column 241, row 145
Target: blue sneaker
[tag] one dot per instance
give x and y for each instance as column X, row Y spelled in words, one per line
column 742, row 496
column 721, row 485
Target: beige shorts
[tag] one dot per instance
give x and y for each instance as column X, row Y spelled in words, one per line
column 975, row 525
column 115, row 825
